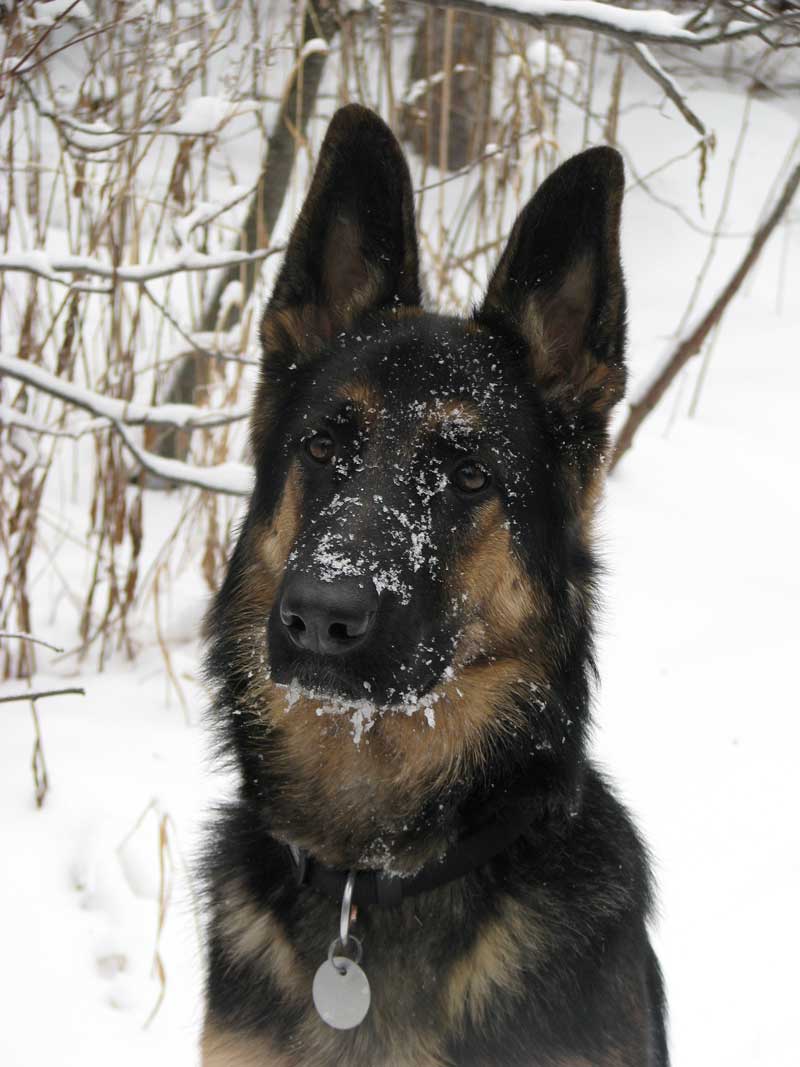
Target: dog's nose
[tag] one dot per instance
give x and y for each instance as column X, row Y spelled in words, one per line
column 330, row 617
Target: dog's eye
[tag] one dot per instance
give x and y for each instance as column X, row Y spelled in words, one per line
column 321, row 447
column 469, row 477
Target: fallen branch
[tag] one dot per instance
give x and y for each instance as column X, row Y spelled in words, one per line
column 653, row 391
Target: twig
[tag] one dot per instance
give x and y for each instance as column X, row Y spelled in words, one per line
column 61, row 17
column 497, row 150
column 34, row 640
column 644, row 58
column 31, row 695
column 41, row 779
column 691, row 345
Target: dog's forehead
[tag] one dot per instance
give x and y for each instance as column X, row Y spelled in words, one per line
column 438, row 376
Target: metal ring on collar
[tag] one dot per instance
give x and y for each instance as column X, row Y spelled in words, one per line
column 344, row 915
column 332, row 950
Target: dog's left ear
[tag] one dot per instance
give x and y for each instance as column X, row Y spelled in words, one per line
column 353, row 248
column 559, row 289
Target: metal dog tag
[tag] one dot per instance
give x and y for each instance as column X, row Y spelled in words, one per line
column 341, row 993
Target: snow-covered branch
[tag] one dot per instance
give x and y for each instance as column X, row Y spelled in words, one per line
column 126, row 412
column 648, row 26
column 53, row 268
column 233, row 479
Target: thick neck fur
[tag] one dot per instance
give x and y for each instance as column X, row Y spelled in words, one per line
column 411, row 784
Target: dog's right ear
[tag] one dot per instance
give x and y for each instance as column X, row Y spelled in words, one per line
column 353, row 248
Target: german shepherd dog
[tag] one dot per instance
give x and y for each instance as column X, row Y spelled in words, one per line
column 401, row 654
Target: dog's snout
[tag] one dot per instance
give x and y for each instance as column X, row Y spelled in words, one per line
column 329, row 617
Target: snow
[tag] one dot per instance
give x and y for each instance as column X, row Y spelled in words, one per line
column 649, row 21
column 316, row 46
column 129, row 412
column 362, row 714
column 208, row 114
column 52, row 10
column 37, row 261
column 696, row 718
column 235, row 479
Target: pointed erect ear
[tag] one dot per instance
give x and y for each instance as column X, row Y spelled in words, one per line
column 353, row 248
column 559, row 289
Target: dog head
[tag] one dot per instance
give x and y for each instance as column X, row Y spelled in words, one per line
column 416, row 550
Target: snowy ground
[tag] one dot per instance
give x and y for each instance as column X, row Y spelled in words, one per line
column 696, row 719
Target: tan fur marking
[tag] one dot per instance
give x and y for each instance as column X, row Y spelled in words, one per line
column 279, row 537
column 365, row 398
column 253, row 934
column 294, row 330
column 400, row 761
column 322, row 1047
column 222, row 1048
column 494, row 965
column 492, row 577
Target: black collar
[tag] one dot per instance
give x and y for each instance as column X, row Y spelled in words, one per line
column 378, row 889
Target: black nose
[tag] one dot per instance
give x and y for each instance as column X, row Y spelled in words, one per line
column 331, row 617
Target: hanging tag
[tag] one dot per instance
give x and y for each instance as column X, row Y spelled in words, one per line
column 341, row 989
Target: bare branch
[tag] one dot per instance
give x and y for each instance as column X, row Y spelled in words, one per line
column 57, row 21
column 645, row 59
column 653, row 391
column 30, row 637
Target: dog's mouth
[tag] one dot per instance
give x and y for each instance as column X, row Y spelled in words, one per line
column 334, row 695
column 315, row 676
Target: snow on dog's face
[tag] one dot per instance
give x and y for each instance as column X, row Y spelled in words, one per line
column 405, row 462
column 415, row 562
